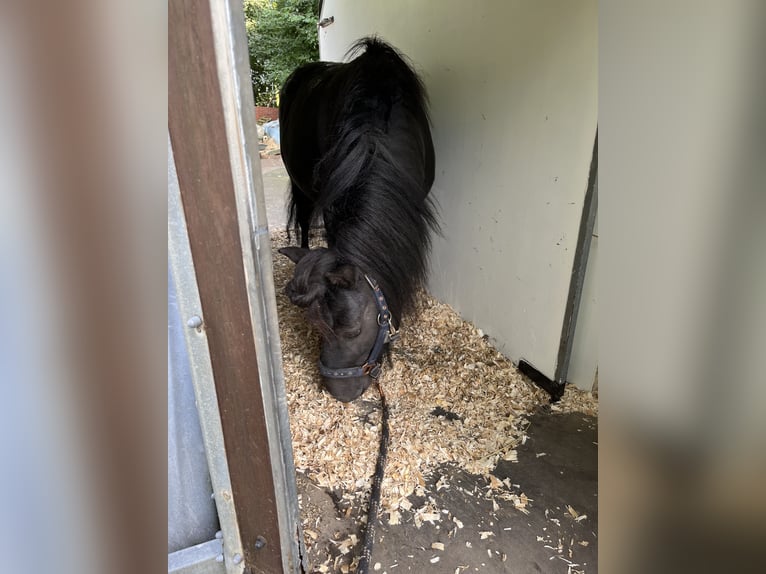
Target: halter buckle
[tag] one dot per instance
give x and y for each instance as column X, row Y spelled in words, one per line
column 372, row 370
column 393, row 333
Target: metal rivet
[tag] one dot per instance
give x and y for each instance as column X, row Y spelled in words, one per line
column 194, row 322
column 260, row 542
column 219, row 535
column 237, row 558
column 219, row 558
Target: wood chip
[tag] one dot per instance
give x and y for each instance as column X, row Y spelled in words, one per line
column 575, row 400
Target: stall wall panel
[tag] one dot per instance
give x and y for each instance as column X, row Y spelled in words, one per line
column 513, row 88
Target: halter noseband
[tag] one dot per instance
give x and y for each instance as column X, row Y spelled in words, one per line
column 387, row 333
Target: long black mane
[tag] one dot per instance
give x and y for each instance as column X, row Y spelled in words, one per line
column 357, row 145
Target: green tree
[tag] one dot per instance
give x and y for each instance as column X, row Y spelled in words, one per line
column 282, row 35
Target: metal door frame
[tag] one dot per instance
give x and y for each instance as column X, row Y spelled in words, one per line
column 220, row 257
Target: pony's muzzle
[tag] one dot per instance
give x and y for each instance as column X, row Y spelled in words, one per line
column 347, row 389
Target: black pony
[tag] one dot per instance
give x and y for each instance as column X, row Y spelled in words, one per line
column 356, row 143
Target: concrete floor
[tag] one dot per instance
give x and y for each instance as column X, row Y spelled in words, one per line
column 556, row 469
column 275, row 185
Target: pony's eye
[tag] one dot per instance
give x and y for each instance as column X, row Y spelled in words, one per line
column 352, row 334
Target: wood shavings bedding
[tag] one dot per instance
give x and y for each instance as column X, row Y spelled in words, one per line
column 575, row 400
column 453, row 398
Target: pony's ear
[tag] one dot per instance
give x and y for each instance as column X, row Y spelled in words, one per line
column 308, row 283
column 344, row 277
column 295, row 254
column 304, row 298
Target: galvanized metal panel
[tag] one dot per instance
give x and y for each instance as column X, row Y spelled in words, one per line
column 210, row 193
column 199, row 559
column 192, row 517
column 212, row 128
column 579, row 268
column 182, row 270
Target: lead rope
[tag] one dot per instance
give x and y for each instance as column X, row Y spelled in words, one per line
column 377, row 479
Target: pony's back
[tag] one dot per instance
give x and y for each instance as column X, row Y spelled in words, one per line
column 381, row 131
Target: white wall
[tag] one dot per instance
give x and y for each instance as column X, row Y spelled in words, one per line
column 513, row 88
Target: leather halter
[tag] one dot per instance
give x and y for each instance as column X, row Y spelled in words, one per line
column 387, row 333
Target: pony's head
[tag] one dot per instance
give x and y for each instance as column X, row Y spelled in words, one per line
column 341, row 305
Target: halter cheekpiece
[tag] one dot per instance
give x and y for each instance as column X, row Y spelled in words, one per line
column 387, row 333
